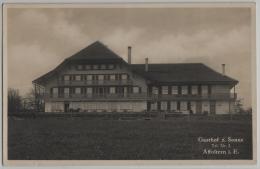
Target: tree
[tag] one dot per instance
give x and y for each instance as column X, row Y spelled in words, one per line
column 14, row 100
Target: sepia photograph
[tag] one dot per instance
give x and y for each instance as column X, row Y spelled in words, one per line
column 126, row 82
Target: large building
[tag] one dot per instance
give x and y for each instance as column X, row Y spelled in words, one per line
column 97, row 80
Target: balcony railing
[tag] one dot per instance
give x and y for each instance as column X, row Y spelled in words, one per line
column 77, row 97
column 217, row 96
column 95, row 82
column 139, row 96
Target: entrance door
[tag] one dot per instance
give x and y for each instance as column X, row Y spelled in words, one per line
column 66, row 107
column 213, row 107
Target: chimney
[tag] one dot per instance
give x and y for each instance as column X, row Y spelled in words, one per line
column 146, row 64
column 129, row 54
column 223, row 70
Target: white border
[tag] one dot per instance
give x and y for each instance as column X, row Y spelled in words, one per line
column 155, row 1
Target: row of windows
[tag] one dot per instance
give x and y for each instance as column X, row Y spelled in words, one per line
column 96, row 77
column 174, row 105
column 184, row 90
column 95, row 67
column 95, row 90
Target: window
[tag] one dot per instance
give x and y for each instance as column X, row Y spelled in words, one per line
column 112, row 90
column 194, row 90
column 112, row 77
column 184, row 105
column 89, row 90
column 66, row 92
column 88, row 67
column 154, row 106
column 204, row 90
column 154, row 90
column 135, row 89
column 184, row 90
column 124, row 77
column 55, row 92
column 103, row 66
column 111, row 66
column 163, row 105
column 66, row 77
column 100, row 77
column 95, row 67
column 164, row 89
column 173, row 105
column 78, row 77
column 77, row 90
column 89, row 77
column 79, row 67
column 174, row 89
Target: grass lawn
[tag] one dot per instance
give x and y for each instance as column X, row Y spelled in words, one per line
column 87, row 139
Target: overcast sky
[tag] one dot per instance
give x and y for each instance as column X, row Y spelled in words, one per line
column 41, row 38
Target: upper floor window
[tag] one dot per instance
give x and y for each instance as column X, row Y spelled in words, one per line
column 194, row 90
column 78, row 77
column 103, row 66
column 155, row 90
column 112, row 90
column 100, row 77
column 135, row 89
column 87, row 67
column 55, row 90
column 124, row 77
column 204, row 90
column 77, row 90
column 174, row 89
column 111, row 66
column 112, row 77
column 79, row 67
column 66, row 77
column 89, row 90
column 95, row 67
column 184, row 90
column 89, row 77
column 164, row 89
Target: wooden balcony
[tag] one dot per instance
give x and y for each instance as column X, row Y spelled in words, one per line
column 137, row 96
column 97, row 97
column 95, row 82
column 219, row 96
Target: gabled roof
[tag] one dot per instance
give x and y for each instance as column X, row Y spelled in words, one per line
column 176, row 73
column 158, row 73
column 95, row 51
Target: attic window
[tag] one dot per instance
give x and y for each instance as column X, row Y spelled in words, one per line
column 88, row 67
column 111, row 66
column 95, row 67
column 103, row 67
column 79, row 67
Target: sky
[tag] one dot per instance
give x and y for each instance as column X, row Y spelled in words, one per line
column 38, row 39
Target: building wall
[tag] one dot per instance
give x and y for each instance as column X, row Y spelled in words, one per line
column 71, row 70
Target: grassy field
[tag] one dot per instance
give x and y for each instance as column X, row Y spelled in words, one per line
column 87, row 139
